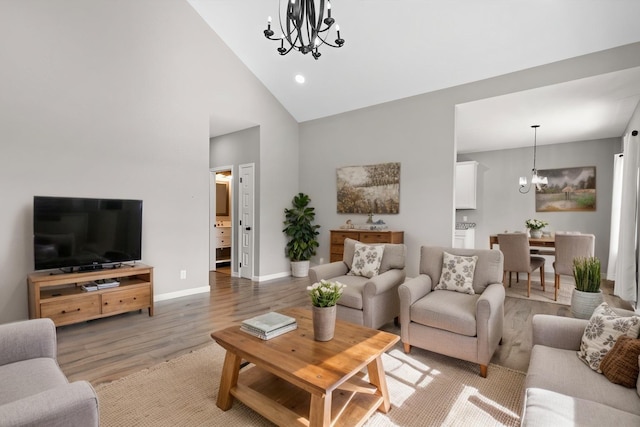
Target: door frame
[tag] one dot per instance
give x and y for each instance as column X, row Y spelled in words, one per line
column 212, row 216
column 253, row 216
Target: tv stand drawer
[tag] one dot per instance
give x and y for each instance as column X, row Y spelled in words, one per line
column 125, row 300
column 71, row 310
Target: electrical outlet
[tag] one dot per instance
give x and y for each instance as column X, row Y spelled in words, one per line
column 183, row 274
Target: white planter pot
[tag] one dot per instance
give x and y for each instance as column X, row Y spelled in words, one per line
column 583, row 303
column 299, row 268
column 536, row 234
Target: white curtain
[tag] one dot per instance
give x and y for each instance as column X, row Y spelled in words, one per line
column 626, row 285
column 616, row 200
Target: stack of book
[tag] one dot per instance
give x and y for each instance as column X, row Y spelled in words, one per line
column 269, row 325
column 100, row 284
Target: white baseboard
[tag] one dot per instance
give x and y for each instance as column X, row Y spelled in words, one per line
column 184, row 293
column 271, row 276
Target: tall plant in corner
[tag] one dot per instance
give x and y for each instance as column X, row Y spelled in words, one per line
column 302, row 233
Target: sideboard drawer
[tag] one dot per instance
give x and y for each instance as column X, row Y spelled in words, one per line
column 126, row 300
column 337, row 240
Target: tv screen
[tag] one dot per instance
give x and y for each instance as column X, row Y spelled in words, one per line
column 85, row 233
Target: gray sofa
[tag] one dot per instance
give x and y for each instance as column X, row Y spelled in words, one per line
column 561, row 390
column 33, row 389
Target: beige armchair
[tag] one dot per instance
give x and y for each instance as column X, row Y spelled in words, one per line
column 461, row 325
column 568, row 247
column 371, row 302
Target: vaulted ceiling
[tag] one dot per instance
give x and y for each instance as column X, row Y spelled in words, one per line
column 400, row 48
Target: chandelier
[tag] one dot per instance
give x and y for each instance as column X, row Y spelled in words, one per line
column 536, row 179
column 302, row 27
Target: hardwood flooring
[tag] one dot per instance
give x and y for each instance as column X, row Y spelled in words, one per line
column 107, row 349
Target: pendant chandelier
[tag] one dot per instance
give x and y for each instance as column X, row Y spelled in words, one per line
column 536, row 179
column 302, row 27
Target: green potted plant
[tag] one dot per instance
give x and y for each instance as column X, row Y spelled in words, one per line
column 587, row 294
column 302, row 233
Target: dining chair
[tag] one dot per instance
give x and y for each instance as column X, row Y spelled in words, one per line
column 570, row 246
column 517, row 258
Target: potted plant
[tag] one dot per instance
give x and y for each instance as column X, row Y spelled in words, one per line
column 302, row 233
column 535, row 227
column 324, row 297
column 587, row 294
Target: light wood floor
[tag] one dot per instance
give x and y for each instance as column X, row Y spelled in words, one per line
column 107, row 349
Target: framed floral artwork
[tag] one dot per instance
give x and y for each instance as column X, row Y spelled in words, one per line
column 372, row 189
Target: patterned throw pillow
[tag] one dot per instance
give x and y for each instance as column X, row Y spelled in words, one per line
column 457, row 273
column 366, row 260
column 620, row 365
column 604, row 328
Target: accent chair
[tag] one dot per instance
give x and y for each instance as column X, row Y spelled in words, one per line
column 465, row 324
column 368, row 301
column 517, row 258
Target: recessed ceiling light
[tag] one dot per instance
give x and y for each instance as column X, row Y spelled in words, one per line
column 299, row 78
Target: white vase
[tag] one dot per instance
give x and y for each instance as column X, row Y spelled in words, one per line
column 583, row 303
column 299, row 268
column 536, row 234
column 324, row 322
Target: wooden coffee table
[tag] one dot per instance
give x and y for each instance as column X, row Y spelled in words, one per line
column 296, row 380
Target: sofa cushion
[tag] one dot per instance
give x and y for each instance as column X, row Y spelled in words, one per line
column 546, row 408
column 601, row 333
column 457, row 273
column 450, row 311
column 366, row 260
column 393, row 257
column 620, row 365
column 29, row 377
column 560, row 371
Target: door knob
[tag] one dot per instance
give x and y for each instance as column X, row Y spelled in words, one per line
column 248, row 228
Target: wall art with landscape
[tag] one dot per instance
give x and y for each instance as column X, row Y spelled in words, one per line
column 371, row 189
column 569, row 189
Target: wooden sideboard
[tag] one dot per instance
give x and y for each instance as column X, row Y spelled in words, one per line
column 364, row 236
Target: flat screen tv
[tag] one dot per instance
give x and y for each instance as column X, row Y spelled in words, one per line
column 72, row 233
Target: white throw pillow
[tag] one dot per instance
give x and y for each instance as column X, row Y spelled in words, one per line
column 457, row 273
column 366, row 260
column 604, row 328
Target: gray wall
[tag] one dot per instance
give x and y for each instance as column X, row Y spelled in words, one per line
column 502, row 207
column 419, row 132
column 234, row 149
column 113, row 99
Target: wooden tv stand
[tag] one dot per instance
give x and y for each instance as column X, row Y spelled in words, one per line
column 60, row 297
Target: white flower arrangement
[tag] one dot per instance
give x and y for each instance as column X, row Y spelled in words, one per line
column 325, row 293
column 535, row 224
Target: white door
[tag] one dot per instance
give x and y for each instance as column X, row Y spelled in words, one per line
column 246, row 224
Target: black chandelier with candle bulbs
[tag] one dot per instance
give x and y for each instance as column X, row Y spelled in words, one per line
column 302, row 27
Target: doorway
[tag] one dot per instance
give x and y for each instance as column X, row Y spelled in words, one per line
column 221, row 253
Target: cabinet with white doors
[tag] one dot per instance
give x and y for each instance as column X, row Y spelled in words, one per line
column 223, row 244
column 466, row 184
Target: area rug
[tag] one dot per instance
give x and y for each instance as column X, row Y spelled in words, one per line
column 426, row 389
column 519, row 289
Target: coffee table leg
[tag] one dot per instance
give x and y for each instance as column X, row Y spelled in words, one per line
column 320, row 411
column 229, row 379
column 377, row 378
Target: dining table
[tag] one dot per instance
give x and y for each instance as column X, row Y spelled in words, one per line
column 535, row 242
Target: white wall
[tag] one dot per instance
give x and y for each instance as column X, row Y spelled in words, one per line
column 113, row 99
column 419, row 132
column 502, row 207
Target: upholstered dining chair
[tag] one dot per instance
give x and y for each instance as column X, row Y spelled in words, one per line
column 455, row 306
column 517, row 258
column 568, row 247
column 370, row 298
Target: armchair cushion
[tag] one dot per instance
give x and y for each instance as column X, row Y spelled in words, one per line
column 450, row 311
column 28, row 377
column 366, row 260
column 457, row 273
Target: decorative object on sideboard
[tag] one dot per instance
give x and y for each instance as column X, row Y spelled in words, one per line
column 587, row 294
column 302, row 234
column 301, row 23
column 324, row 297
column 536, row 179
